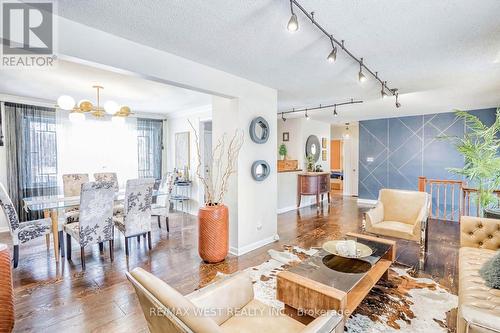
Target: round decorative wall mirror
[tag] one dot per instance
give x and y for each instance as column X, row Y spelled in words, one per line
column 259, row 130
column 260, row 170
column 313, row 147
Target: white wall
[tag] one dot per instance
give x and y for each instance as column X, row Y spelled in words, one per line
column 256, row 220
column 179, row 124
column 299, row 130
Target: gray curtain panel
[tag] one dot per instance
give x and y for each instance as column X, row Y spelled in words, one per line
column 149, row 147
column 31, row 143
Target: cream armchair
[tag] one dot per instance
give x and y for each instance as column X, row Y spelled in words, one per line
column 227, row 305
column 478, row 305
column 400, row 214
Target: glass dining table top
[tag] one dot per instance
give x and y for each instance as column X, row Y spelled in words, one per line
column 59, row 201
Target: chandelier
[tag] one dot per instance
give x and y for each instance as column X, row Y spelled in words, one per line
column 79, row 110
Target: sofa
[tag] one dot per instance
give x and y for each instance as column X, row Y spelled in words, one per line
column 400, row 214
column 227, row 305
column 479, row 305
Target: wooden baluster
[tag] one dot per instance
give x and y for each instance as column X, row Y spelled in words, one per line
column 432, row 215
column 453, row 202
column 438, row 200
column 445, row 202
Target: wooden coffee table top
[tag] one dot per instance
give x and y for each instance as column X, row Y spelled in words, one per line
column 325, row 281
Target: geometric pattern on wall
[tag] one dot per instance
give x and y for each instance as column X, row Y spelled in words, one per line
column 394, row 152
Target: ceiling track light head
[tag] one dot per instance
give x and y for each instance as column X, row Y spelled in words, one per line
column 293, row 23
column 332, row 57
column 382, row 92
column 335, row 114
column 283, row 116
column 398, row 105
column 361, row 76
column 307, row 115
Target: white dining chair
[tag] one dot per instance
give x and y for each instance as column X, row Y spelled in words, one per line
column 110, row 177
column 161, row 208
column 22, row 232
column 72, row 185
column 95, row 225
column 136, row 218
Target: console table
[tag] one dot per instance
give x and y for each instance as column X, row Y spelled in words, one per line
column 313, row 183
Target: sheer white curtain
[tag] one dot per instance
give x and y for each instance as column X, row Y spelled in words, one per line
column 97, row 145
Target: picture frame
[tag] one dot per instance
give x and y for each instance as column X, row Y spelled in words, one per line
column 182, row 153
column 324, row 143
column 286, row 136
column 323, row 155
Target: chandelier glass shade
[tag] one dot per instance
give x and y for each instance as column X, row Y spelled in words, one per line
column 78, row 110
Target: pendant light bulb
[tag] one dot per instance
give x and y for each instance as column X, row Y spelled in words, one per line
column 332, row 57
column 293, row 23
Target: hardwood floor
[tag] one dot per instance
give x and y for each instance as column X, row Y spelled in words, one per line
column 52, row 298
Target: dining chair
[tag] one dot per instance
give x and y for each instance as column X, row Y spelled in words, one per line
column 107, row 177
column 110, row 177
column 95, row 225
column 161, row 207
column 136, row 217
column 22, row 232
column 72, row 185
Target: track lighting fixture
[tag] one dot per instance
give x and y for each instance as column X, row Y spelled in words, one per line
column 332, row 57
column 306, row 110
column 293, row 23
column 382, row 92
column 361, row 76
column 398, row 105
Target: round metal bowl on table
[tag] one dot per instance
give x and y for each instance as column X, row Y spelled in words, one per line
column 362, row 250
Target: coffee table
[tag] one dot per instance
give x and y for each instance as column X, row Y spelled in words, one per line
column 328, row 282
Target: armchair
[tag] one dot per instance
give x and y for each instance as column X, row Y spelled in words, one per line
column 227, row 305
column 400, row 214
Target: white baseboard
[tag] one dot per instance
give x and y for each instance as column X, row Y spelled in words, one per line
column 250, row 247
column 289, row 208
column 367, row 201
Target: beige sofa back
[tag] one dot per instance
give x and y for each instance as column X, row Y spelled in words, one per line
column 480, row 232
column 402, row 206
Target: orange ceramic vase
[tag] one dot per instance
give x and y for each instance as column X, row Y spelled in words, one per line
column 6, row 294
column 213, row 243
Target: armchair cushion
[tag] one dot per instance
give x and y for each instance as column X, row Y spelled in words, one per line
column 395, row 229
column 229, row 294
column 258, row 317
column 403, row 206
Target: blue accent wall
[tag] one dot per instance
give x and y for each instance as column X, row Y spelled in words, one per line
column 394, row 152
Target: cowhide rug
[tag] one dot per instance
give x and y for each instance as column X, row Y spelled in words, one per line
column 400, row 304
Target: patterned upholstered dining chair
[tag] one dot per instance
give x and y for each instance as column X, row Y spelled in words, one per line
column 22, row 232
column 110, row 177
column 72, row 185
column 136, row 217
column 96, row 219
column 107, row 177
column 161, row 207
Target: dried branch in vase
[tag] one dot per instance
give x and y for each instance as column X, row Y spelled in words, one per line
column 222, row 164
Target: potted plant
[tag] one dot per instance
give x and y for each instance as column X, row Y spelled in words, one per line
column 213, row 225
column 480, row 148
column 310, row 163
column 283, row 151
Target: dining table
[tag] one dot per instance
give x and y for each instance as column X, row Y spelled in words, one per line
column 53, row 205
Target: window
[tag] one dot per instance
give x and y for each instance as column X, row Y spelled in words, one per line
column 149, row 147
column 40, row 151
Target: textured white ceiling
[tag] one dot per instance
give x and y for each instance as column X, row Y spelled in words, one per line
column 440, row 54
column 76, row 80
